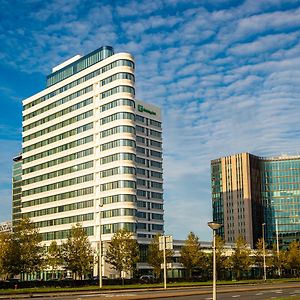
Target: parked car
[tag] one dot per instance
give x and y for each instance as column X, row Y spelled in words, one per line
column 147, row 279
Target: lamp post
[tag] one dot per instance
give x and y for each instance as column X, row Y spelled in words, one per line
column 264, row 250
column 100, row 248
column 214, row 226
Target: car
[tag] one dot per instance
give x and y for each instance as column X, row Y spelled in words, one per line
column 147, row 279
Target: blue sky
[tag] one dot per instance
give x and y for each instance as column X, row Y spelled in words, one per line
column 226, row 74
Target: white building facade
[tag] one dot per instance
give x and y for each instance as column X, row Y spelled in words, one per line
column 90, row 148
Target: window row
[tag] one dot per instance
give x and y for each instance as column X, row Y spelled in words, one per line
column 117, row 129
column 155, row 144
column 154, row 195
column 149, row 184
column 113, row 228
column 148, row 142
column 157, row 206
column 58, row 125
column 58, row 185
column 58, row 161
column 118, row 198
column 117, row 76
column 118, row 212
column 58, row 197
column 58, row 102
column 59, row 114
column 115, row 103
column 117, row 156
column 148, row 163
column 118, row 89
column 58, row 149
column 59, row 137
column 80, row 64
column 117, row 143
column 59, row 209
column 66, row 220
column 118, row 170
column 149, row 216
column 117, row 116
column 155, row 133
column 140, row 171
column 129, row 184
column 287, row 179
column 147, row 152
column 282, row 186
column 63, row 234
column 149, row 132
column 61, row 172
column 147, row 121
column 74, row 83
column 156, row 174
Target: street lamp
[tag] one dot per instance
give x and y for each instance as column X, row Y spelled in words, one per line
column 264, row 250
column 214, row 226
column 100, row 248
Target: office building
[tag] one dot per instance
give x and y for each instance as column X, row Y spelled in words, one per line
column 249, row 191
column 92, row 153
column 16, row 189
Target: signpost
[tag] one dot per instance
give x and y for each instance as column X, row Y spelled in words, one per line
column 165, row 243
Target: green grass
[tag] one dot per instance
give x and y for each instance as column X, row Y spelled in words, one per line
column 136, row 286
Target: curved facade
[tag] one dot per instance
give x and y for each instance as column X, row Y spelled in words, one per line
column 80, row 160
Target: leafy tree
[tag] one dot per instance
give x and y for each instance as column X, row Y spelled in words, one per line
column 293, row 257
column 221, row 258
column 24, row 252
column 191, row 253
column 77, row 252
column 278, row 260
column 241, row 260
column 259, row 255
column 5, row 249
column 156, row 256
column 222, row 263
column 123, row 252
column 31, row 251
column 53, row 258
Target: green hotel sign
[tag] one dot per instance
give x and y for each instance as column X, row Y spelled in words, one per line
column 141, row 108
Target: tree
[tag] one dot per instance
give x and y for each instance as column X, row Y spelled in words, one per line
column 156, row 257
column 123, row 252
column 5, row 248
column 24, row 250
column 77, row 252
column 53, row 257
column 191, row 253
column 293, row 257
column 259, row 255
column 240, row 260
column 221, row 258
column 278, row 259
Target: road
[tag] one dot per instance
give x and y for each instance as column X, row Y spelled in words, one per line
column 234, row 292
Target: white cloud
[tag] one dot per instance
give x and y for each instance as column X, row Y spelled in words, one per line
column 227, row 80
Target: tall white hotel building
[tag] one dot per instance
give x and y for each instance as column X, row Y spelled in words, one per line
column 91, row 148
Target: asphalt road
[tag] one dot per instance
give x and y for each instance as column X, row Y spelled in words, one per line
column 236, row 292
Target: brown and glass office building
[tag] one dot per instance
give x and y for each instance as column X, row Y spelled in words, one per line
column 249, row 191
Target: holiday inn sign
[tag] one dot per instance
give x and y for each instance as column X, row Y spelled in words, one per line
column 141, row 108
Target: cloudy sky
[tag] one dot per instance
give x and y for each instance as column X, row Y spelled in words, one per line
column 226, row 74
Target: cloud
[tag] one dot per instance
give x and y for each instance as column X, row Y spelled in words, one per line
column 265, row 45
column 226, row 74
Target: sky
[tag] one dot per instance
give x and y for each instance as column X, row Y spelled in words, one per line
column 225, row 73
